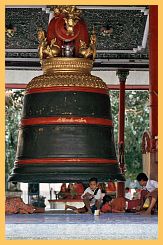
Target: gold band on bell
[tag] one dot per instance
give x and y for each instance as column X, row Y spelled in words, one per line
column 67, row 72
column 53, row 65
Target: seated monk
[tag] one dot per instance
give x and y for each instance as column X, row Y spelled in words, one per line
column 14, row 205
column 63, row 194
column 111, row 187
column 79, row 189
column 72, row 194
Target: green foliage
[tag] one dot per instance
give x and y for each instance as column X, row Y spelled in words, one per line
column 14, row 101
column 136, row 122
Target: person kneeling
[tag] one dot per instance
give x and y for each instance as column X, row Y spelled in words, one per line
column 110, row 205
column 149, row 193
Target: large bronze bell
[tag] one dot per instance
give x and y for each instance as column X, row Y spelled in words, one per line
column 66, row 130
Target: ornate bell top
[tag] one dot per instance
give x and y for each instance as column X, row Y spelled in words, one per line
column 66, row 37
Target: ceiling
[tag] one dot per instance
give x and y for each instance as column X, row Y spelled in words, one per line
column 126, row 47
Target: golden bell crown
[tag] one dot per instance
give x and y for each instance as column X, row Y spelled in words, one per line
column 67, row 36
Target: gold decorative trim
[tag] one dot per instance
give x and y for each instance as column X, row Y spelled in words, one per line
column 68, row 72
column 78, row 80
column 54, row 65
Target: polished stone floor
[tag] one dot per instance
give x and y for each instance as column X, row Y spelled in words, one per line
column 54, row 226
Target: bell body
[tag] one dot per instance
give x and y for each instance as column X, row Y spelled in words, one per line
column 66, row 130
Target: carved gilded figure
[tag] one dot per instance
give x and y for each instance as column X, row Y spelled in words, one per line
column 49, row 51
column 71, row 16
column 55, row 49
column 70, row 23
column 88, row 52
column 42, row 43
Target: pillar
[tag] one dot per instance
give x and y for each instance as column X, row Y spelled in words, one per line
column 122, row 75
column 153, row 89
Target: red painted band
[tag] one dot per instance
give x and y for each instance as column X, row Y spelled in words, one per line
column 66, row 120
column 66, row 160
column 68, row 89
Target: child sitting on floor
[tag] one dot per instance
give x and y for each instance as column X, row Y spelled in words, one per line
column 91, row 198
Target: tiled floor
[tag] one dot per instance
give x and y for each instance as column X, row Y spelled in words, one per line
column 81, row 226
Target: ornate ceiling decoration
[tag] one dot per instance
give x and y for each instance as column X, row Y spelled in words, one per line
column 125, row 46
